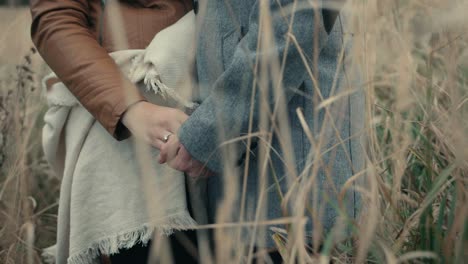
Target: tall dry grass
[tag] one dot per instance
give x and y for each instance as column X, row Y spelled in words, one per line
column 29, row 190
column 412, row 60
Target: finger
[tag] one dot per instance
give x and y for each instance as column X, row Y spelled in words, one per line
column 162, row 157
column 192, row 166
column 176, row 164
column 167, row 153
column 157, row 143
column 183, row 160
column 169, row 150
column 164, row 150
column 156, row 139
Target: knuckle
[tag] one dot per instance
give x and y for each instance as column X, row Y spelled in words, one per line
column 170, row 112
column 163, row 122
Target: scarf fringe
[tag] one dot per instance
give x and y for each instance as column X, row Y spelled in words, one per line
column 125, row 240
column 48, row 254
column 153, row 82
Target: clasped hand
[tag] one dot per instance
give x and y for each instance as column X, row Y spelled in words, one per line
column 152, row 123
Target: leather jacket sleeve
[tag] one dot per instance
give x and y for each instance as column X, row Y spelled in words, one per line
column 63, row 37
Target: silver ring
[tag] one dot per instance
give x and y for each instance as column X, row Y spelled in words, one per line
column 166, row 137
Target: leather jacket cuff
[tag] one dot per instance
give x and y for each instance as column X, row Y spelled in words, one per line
column 121, row 132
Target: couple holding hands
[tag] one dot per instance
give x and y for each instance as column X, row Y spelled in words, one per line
column 147, row 96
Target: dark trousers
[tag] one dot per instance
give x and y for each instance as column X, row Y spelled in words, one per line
column 139, row 254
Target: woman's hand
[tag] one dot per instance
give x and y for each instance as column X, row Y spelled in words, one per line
column 151, row 123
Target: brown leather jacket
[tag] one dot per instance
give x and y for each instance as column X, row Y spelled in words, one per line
column 67, row 35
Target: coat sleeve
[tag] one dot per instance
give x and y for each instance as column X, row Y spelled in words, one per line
column 229, row 103
column 62, row 35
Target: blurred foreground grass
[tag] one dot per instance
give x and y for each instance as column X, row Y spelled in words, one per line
column 413, row 56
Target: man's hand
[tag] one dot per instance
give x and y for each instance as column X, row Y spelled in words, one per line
column 177, row 157
column 151, row 123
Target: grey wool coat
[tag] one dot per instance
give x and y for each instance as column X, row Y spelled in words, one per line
column 230, row 67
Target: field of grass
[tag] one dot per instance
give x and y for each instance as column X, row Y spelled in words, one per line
column 413, row 60
column 28, row 189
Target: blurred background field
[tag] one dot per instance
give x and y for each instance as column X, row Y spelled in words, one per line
column 413, row 56
column 28, row 190
column 15, row 40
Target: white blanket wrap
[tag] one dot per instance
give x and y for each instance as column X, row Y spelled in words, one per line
column 104, row 203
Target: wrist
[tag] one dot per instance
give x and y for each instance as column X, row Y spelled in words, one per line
column 131, row 107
